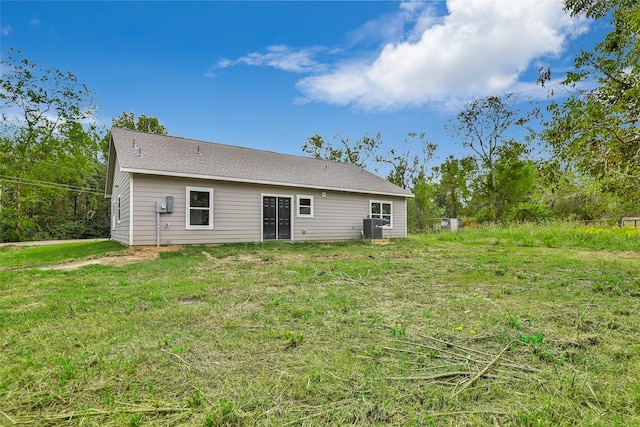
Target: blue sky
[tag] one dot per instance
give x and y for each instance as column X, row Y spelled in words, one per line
column 268, row 75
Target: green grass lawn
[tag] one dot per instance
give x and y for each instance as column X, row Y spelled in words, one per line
column 37, row 256
column 532, row 326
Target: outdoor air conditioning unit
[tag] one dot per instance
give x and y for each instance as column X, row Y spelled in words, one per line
column 372, row 228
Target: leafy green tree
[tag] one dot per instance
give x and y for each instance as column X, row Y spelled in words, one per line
column 405, row 165
column 142, row 123
column 483, row 127
column 90, row 207
column 455, row 184
column 129, row 121
column 515, row 180
column 43, row 158
column 510, row 184
column 345, row 150
column 562, row 192
column 596, row 129
column 422, row 208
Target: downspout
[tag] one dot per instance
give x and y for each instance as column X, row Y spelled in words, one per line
column 406, row 215
column 157, row 228
column 131, row 206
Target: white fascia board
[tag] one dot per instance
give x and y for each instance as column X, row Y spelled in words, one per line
column 256, row 181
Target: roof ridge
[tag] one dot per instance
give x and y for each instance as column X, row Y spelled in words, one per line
column 178, row 156
column 242, row 148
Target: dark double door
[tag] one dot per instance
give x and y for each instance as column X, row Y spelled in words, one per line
column 276, row 218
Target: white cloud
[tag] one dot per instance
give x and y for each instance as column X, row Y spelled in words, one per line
column 296, row 60
column 5, row 30
column 480, row 48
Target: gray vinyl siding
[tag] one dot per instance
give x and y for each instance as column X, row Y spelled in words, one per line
column 237, row 212
column 121, row 189
column 339, row 216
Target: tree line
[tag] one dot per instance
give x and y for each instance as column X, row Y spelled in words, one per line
column 580, row 158
column 52, row 155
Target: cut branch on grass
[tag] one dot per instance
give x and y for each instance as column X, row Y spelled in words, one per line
column 481, row 373
column 9, row 418
column 436, row 355
column 179, row 358
column 450, row 344
column 431, row 377
column 344, row 276
column 455, row 355
column 474, row 364
column 472, row 350
column 456, row 413
column 328, row 408
column 98, row 412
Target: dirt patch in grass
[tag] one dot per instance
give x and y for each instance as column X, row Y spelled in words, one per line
column 27, row 306
column 242, row 257
column 190, row 301
column 132, row 255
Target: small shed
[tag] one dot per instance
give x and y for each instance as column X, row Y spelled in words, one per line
column 630, row 221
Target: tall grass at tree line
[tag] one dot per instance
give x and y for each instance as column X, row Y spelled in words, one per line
column 551, row 235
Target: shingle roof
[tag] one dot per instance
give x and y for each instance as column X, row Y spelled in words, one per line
column 175, row 156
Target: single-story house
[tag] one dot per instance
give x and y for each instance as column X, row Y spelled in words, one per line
column 172, row 190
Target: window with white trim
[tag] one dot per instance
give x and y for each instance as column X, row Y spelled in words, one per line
column 118, row 217
column 382, row 210
column 113, row 213
column 199, row 211
column 305, row 206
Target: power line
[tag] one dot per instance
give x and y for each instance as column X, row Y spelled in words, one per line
column 58, row 165
column 49, row 184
